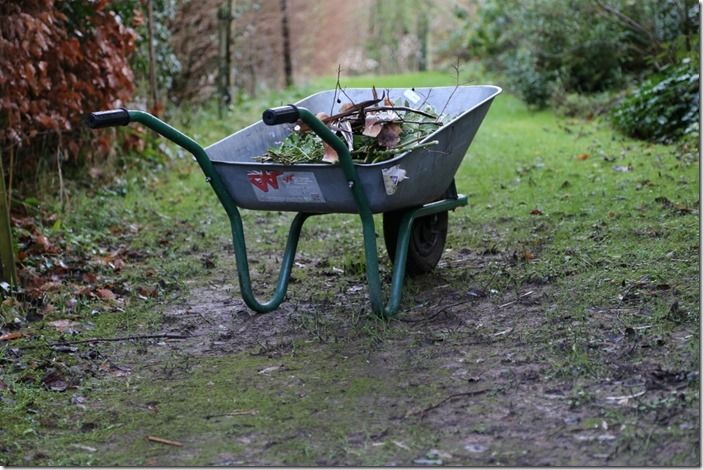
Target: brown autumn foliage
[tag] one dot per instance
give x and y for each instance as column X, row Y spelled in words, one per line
column 55, row 68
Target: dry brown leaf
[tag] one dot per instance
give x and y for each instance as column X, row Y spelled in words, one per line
column 330, row 155
column 147, row 292
column 50, row 287
column 13, row 335
column 371, row 125
column 105, row 294
column 389, row 136
column 44, row 243
column 582, row 156
column 83, row 291
column 55, row 381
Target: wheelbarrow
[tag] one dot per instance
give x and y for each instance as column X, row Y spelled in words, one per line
column 414, row 191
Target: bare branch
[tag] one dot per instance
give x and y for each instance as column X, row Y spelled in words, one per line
column 629, row 22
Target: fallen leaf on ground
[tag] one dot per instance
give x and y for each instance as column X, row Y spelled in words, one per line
column 50, row 287
column 44, row 243
column 401, row 445
column 147, row 292
column 55, row 381
column 13, row 335
column 63, row 325
column 270, row 369
column 582, row 156
column 105, row 294
column 82, row 447
column 161, row 440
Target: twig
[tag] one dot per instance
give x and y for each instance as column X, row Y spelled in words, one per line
column 456, row 87
column 102, row 340
column 627, row 21
column 444, row 309
column 626, row 397
column 429, row 92
column 203, row 317
column 515, row 301
column 164, row 441
column 337, row 86
column 402, row 149
column 9, row 180
column 233, row 413
column 359, row 107
column 430, row 123
column 62, row 188
column 401, row 108
column 472, row 393
column 501, row 333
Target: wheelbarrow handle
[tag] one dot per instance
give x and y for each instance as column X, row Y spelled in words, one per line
column 113, row 117
column 281, row 115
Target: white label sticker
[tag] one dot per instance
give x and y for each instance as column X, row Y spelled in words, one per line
column 285, row 186
column 392, row 177
column 412, row 96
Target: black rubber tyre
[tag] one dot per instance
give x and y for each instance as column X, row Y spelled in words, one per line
column 427, row 238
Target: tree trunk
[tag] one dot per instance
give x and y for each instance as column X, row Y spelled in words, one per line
column 224, row 24
column 153, row 97
column 686, row 28
column 423, row 33
column 287, row 62
column 7, row 252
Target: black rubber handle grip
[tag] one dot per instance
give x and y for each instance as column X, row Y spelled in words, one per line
column 281, row 115
column 114, row 117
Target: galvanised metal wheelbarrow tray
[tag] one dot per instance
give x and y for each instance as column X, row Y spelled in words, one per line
column 414, row 190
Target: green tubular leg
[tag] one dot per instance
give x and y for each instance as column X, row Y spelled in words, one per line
column 368, row 228
column 235, row 218
column 401, row 251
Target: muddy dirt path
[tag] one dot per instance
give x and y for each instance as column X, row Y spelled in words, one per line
column 461, row 377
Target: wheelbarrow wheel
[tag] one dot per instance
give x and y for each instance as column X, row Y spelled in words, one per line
column 428, row 235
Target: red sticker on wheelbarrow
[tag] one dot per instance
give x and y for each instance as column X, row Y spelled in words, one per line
column 285, row 186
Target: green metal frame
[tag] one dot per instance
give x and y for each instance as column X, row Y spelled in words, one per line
column 354, row 185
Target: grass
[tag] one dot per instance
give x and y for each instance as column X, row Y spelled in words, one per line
column 606, row 226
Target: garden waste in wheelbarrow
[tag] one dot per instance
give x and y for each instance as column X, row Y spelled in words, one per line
column 414, row 190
